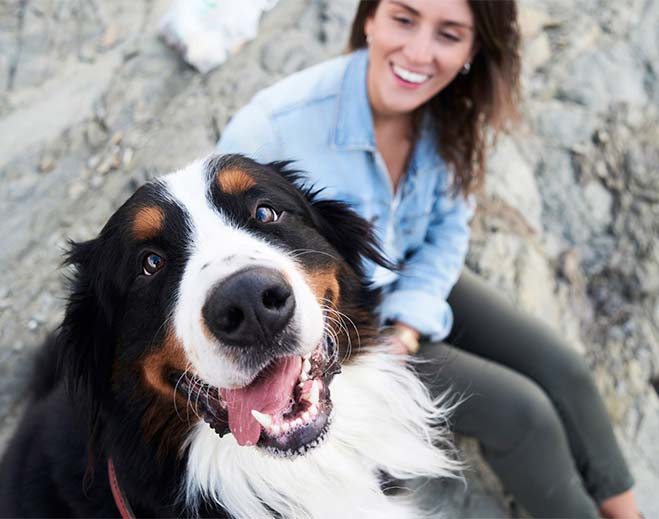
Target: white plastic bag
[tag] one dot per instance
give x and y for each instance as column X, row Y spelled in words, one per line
column 206, row 32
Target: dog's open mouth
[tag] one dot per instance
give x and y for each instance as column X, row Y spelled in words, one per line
column 286, row 409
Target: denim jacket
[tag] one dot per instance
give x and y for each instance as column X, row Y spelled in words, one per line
column 321, row 118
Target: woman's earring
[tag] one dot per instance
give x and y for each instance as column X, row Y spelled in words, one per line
column 369, row 38
column 465, row 69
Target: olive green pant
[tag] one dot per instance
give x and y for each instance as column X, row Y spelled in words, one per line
column 530, row 402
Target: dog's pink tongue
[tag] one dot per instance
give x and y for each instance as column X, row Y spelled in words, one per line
column 270, row 393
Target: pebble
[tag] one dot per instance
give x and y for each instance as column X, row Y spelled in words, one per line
column 128, row 157
column 95, row 182
column 76, row 190
column 109, row 38
column 47, row 164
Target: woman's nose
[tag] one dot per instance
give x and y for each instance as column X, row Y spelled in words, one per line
column 418, row 49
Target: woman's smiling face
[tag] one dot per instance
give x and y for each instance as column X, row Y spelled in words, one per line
column 416, row 48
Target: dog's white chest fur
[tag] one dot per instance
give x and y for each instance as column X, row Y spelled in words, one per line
column 383, row 420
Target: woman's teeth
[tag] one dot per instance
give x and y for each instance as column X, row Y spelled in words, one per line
column 409, row 76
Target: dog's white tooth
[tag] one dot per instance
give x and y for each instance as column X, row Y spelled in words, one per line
column 306, row 366
column 275, row 429
column 285, row 426
column 306, row 416
column 264, row 419
column 313, row 410
column 314, row 393
column 297, row 421
column 304, row 377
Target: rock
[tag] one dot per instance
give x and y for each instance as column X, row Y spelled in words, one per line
column 565, row 124
column 646, row 435
column 645, row 37
column 532, row 20
column 511, row 179
column 536, row 286
column 69, row 101
column 593, row 79
column 599, row 204
column 537, row 52
column 645, row 475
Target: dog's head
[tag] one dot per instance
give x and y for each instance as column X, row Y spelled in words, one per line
column 223, row 293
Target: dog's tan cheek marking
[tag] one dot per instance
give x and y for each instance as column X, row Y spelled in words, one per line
column 156, row 365
column 162, row 420
column 148, row 223
column 324, row 286
column 234, row 181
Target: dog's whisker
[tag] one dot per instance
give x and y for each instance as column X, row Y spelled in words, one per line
column 341, row 325
column 344, row 327
column 208, row 405
column 180, row 378
column 191, row 384
column 198, row 387
column 296, row 253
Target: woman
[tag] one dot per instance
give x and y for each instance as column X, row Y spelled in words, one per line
column 397, row 129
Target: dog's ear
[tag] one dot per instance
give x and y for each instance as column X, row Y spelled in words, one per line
column 349, row 233
column 85, row 344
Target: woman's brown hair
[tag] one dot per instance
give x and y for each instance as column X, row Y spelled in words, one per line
column 485, row 98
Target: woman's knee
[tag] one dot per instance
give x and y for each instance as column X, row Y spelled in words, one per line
column 530, row 416
column 568, row 374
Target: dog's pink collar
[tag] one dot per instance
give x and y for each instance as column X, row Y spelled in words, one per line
column 119, row 497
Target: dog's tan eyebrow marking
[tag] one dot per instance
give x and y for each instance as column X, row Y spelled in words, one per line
column 234, row 181
column 148, row 223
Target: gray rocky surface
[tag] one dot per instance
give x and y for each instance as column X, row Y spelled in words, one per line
column 92, row 103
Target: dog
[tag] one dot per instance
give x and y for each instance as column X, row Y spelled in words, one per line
column 219, row 356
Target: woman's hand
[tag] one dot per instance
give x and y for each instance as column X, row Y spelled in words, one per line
column 403, row 339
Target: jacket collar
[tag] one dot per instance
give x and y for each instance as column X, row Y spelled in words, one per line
column 354, row 120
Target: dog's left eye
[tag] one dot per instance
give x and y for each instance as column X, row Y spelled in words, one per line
column 266, row 214
column 152, row 263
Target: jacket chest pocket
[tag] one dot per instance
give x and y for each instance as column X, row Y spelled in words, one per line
column 413, row 228
column 415, row 213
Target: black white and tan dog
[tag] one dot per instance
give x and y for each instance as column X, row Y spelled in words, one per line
column 219, row 357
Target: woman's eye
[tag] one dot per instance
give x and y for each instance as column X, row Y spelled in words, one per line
column 402, row 20
column 152, row 263
column 450, row 37
column 266, row 214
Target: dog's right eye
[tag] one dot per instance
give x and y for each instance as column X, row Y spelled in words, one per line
column 266, row 214
column 152, row 263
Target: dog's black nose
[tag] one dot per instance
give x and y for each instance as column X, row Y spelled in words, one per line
column 250, row 307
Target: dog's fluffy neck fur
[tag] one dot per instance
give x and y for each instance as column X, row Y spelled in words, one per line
column 384, row 420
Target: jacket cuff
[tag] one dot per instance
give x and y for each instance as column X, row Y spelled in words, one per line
column 430, row 315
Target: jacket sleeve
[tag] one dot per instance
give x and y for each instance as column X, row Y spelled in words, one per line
column 250, row 132
column 418, row 297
